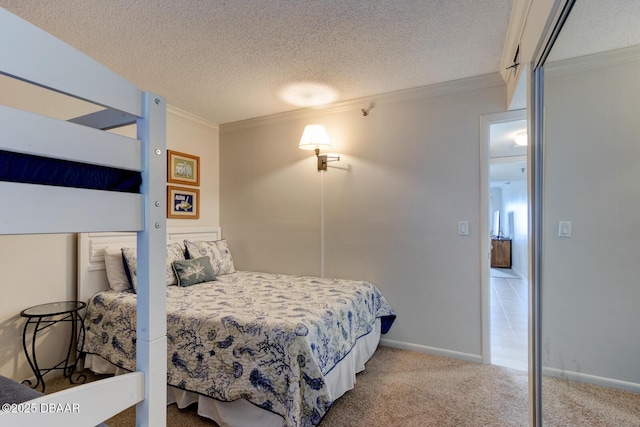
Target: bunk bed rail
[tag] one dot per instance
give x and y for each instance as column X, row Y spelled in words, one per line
column 28, row 133
column 41, row 209
column 48, row 209
column 34, row 56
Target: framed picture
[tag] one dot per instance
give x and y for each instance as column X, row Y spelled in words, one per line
column 183, row 168
column 183, row 202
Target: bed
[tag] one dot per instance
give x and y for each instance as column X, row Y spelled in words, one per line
column 48, row 204
column 252, row 349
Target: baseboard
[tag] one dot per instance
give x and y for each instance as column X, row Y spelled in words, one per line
column 592, row 379
column 432, row 350
column 552, row 372
column 517, row 273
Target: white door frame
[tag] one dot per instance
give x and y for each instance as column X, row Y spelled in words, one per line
column 485, row 239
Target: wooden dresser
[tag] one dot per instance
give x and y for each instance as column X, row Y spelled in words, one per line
column 501, row 253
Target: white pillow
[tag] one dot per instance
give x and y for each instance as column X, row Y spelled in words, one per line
column 217, row 251
column 114, row 265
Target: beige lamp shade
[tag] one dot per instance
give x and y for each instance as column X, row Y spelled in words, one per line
column 314, row 137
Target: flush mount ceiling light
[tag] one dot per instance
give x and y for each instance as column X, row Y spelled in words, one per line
column 307, row 94
column 315, row 137
column 521, row 139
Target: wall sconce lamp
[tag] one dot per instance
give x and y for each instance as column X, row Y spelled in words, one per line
column 315, row 137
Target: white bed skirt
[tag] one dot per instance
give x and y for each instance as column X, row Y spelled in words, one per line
column 241, row 413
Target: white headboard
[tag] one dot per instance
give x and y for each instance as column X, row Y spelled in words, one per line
column 92, row 276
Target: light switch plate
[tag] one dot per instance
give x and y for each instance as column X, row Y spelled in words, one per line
column 564, row 229
column 463, row 228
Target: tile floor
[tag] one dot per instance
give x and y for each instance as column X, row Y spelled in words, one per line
column 508, row 319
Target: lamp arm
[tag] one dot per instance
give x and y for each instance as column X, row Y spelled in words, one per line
column 324, row 159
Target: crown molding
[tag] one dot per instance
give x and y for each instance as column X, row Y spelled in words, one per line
column 517, row 21
column 439, row 89
column 192, row 117
column 533, row 24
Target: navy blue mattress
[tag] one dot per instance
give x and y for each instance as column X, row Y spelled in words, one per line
column 16, row 167
column 13, row 393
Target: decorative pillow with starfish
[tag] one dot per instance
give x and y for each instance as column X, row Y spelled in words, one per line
column 193, row 271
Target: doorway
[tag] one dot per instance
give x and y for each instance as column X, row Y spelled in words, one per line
column 505, row 235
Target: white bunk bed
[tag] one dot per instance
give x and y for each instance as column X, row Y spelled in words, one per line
column 31, row 55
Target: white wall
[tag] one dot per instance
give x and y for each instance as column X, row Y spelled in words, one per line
column 35, row 270
column 514, row 219
column 495, row 204
column 42, row 268
column 408, row 173
column 590, row 285
column 192, row 135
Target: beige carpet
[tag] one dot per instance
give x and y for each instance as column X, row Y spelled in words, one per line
column 406, row 389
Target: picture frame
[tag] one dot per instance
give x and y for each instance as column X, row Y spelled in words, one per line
column 183, row 202
column 183, row 168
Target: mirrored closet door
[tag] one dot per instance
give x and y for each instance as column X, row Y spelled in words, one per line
column 590, row 259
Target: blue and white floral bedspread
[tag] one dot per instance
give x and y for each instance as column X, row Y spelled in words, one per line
column 267, row 338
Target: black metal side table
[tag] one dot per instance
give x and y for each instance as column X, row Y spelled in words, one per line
column 41, row 317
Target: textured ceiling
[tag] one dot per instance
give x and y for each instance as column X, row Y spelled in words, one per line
column 231, row 60
column 598, row 26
